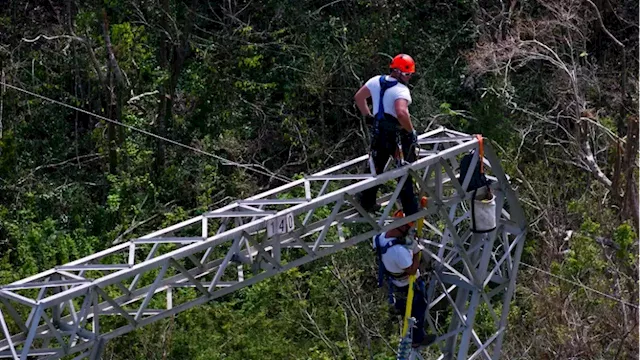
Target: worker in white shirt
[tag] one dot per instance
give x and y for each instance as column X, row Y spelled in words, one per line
column 397, row 251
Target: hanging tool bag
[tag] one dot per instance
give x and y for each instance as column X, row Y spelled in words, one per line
column 483, row 203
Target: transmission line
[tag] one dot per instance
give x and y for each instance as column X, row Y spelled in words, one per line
column 611, row 297
column 224, row 161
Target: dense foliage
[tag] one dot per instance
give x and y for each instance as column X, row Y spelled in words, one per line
column 269, row 85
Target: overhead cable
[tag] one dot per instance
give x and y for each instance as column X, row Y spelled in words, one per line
column 226, row 162
column 581, row 285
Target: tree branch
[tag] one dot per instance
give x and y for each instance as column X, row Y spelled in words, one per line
column 113, row 62
column 326, row 5
column 55, row 37
column 589, row 159
column 140, row 96
column 602, row 25
column 91, row 157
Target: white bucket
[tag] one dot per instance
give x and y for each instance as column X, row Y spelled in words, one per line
column 483, row 213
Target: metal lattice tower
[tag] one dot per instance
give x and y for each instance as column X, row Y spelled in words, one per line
column 73, row 309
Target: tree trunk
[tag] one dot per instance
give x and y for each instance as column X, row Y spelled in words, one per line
column 111, row 113
column 113, row 157
column 617, row 174
column 630, row 200
column 1, row 97
column 114, row 86
column 163, row 61
column 171, row 59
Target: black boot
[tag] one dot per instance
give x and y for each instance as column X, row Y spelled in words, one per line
column 373, row 209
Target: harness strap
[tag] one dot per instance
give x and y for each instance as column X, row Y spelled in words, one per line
column 384, row 85
column 480, row 152
column 381, row 269
column 381, row 250
column 473, row 211
column 379, row 118
column 391, row 243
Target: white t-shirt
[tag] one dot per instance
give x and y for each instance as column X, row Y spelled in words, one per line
column 397, row 258
column 399, row 91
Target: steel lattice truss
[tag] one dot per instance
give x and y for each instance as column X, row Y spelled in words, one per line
column 73, row 309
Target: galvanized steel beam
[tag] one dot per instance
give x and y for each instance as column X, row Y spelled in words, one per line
column 213, row 256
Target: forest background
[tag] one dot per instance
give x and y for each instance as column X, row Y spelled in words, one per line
column 552, row 83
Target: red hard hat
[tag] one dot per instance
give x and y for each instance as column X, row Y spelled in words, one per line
column 400, row 214
column 404, row 63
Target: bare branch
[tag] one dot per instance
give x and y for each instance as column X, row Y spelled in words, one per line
column 140, row 96
column 55, row 37
column 590, row 160
column 603, row 27
column 326, row 5
column 112, row 58
column 90, row 157
column 134, row 225
column 83, row 41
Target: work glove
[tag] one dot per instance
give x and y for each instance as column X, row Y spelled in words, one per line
column 425, row 264
column 410, row 239
column 410, row 137
column 414, row 139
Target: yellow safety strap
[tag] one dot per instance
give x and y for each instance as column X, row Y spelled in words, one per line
column 407, row 312
column 412, row 278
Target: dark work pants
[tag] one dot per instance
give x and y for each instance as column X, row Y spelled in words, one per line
column 384, row 145
column 418, row 309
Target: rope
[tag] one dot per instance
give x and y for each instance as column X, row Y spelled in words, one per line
column 611, row 297
column 224, row 161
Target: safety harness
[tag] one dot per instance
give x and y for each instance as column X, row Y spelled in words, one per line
column 382, row 270
column 381, row 122
column 384, row 85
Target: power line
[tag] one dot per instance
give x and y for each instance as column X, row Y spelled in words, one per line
column 224, row 161
column 581, row 285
